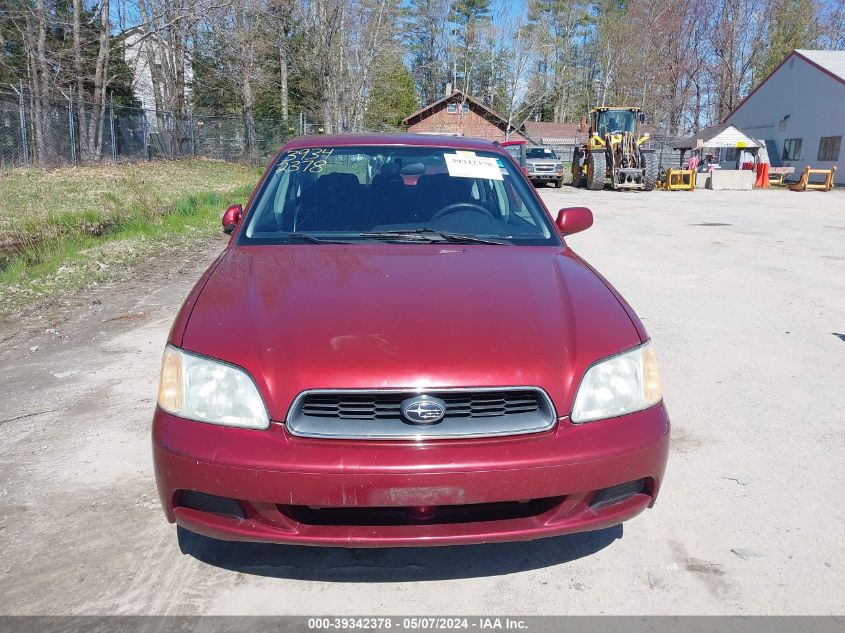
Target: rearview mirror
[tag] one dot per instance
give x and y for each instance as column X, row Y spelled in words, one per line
column 574, row 220
column 231, row 218
column 413, row 169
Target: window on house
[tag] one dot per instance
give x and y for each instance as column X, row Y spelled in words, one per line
column 792, row 149
column 730, row 154
column 452, row 108
column 829, row 147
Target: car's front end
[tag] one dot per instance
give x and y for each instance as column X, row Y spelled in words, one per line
column 403, row 392
column 273, row 486
column 544, row 166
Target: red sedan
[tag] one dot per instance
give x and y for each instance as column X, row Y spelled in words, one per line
column 397, row 348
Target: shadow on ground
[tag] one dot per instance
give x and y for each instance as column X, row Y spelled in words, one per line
column 334, row 564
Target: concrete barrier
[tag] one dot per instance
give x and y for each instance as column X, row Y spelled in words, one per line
column 731, row 179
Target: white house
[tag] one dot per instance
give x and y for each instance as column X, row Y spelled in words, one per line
column 136, row 52
column 799, row 110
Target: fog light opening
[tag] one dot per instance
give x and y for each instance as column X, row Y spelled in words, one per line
column 617, row 494
column 213, row 504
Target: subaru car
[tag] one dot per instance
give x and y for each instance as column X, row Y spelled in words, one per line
column 397, row 347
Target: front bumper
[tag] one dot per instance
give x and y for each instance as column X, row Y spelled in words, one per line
column 356, row 493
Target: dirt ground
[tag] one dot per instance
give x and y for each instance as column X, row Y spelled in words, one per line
column 744, row 295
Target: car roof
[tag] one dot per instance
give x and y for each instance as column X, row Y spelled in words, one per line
column 420, row 140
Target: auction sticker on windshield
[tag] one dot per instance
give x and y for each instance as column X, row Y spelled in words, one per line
column 472, row 167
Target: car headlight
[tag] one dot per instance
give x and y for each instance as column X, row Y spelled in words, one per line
column 206, row 390
column 618, row 385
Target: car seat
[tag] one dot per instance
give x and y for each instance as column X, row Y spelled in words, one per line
column 333, row 205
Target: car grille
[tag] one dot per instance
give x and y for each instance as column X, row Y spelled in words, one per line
column 386, row 405
column 377, row 414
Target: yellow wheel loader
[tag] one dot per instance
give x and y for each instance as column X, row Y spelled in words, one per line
column 615, row 152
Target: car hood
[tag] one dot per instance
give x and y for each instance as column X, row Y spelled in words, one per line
column 415, row 316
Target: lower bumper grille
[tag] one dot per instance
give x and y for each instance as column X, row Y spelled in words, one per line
column 423, row 515
column 365, row 414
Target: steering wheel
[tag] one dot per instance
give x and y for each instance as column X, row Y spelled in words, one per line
column 455, row 207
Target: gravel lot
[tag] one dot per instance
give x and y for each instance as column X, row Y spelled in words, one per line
column 744, row 294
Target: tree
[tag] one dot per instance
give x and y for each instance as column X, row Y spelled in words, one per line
column 91, row 121
column 426, row 45
column 244, row 22
column 392, row 96
column 831, row 22
column 165, row 35
column 791, row 24
column 521, row 94
column 560, row 24
column 735, row 34
column 350, row 64
column 466, row 18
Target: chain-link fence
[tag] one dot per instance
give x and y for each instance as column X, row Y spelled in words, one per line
column 663, row 146
column 47, row 133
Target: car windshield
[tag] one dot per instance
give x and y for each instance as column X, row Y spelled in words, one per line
column 615, row 121
column 395, row 193
column 541, row 152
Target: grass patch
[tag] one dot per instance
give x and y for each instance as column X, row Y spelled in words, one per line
column 81, row 225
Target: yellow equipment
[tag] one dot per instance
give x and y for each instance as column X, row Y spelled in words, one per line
column 804, row 183
column 615, row 151
column 679, row 180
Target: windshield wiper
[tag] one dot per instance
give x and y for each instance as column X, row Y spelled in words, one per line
column 307, row 237
column 428, row 235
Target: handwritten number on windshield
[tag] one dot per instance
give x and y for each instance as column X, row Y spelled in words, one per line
column 307, row 160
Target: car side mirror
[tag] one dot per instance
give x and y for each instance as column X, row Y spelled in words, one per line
column 231, row 218
column 574, row 220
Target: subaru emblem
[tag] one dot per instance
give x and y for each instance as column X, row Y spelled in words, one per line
column 423, row 410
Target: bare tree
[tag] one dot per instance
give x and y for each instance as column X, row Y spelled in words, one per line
column 735, row 35
column 162, row 41
column 243, row 21
column 522, row 92
column 281, row 25
column 38, row 69
column 91, row 121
